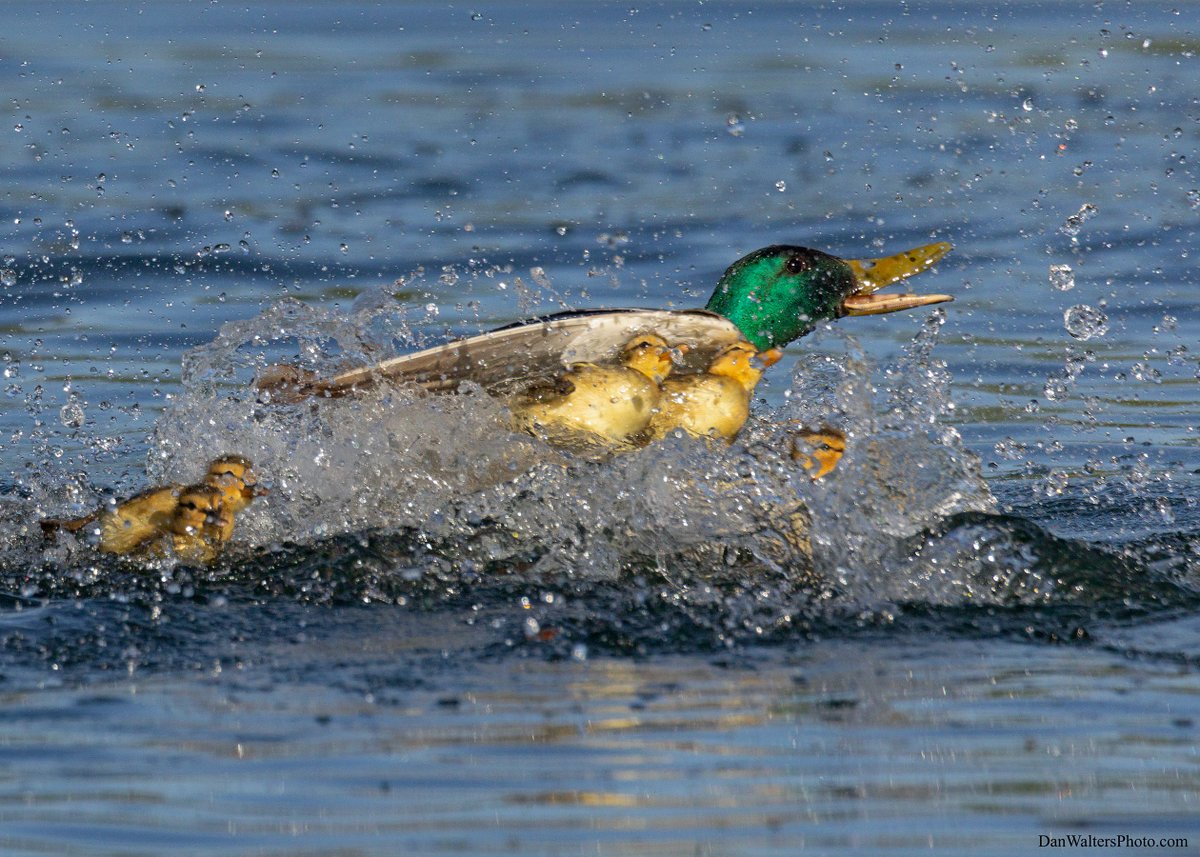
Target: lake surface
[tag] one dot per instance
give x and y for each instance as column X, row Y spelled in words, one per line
column 434, row 637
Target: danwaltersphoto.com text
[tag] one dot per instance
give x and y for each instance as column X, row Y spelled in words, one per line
column 1088, row 840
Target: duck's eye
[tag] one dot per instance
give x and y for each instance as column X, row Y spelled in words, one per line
column 796, row 264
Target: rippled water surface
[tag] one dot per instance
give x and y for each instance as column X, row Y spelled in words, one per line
column 437, row 636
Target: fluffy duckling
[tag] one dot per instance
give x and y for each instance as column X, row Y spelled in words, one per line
column 235, row 476
column 605, row 404
column 202, row 523
column 818, row 450
column 127, row 525
column 716, row 402
column 123, row 526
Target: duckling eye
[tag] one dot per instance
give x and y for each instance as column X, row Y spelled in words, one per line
column 796, row 264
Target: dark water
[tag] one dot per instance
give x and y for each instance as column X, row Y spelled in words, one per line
column 432, row 637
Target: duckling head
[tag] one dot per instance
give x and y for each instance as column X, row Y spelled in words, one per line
column 742, row 362
column 200, row 507
column 234, row 475
column 648, row 354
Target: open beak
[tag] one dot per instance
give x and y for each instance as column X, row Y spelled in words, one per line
column 875, row 274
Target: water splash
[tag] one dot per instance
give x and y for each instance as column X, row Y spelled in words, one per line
column 408, row 498
column 448, row 467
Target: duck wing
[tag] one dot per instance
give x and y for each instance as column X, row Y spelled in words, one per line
column 509, row 358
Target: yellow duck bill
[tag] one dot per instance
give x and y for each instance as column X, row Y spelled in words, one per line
column 875, row 274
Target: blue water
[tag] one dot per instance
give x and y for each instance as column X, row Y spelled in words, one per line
column 427, row 639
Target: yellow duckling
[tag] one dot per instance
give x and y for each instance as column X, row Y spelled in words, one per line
column 608, row 405
column 122, row 527
column 818, row 451
column 716, row 402
column 129, row 524
column 202, row 523
column 235, row 476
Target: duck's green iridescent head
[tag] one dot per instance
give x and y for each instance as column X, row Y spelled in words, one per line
column 780, row 293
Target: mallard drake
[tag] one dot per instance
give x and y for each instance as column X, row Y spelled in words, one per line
column 607, row 404
column 767, row 298
column 125, row 526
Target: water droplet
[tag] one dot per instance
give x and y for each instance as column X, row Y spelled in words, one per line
column 1056, row 388
column 1074, row 223
column 1054, row 483
column 8, row 277
column 1062, row 277
column 781, row 185
column 538, row 275
column 71, row 415
column 126, row 237
column 1027, row 105
column 1010, row 450
column 1143, row 371
column 1085, row 322
column 734, row 125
